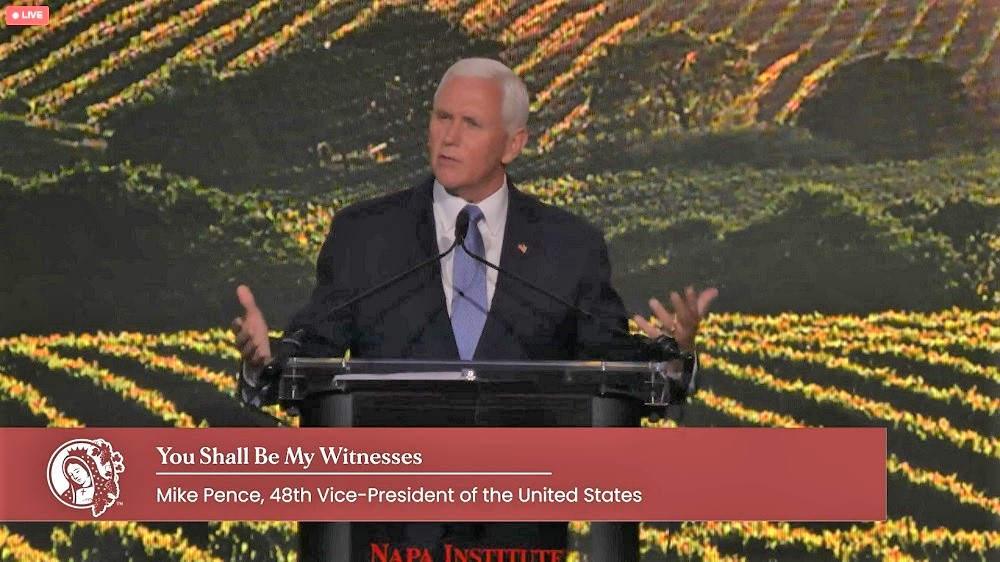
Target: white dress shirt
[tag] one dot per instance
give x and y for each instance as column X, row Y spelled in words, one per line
column 446, row 209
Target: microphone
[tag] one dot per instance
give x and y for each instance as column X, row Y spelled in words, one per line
column 662, row 348
column 461, row 229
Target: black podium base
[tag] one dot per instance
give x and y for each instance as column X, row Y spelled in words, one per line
column 462, row 405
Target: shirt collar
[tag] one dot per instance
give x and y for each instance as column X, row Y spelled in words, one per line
column 447, row 207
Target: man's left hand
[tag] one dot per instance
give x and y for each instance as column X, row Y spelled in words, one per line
column 682, row 323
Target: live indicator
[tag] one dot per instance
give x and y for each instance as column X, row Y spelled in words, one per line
column 26, row 15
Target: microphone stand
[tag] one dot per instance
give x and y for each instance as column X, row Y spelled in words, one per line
column 662, row 348
column 293, row 343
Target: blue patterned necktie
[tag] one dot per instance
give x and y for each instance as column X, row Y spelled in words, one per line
column 468, row 302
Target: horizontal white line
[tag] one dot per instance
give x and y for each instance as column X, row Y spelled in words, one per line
column 354, row 474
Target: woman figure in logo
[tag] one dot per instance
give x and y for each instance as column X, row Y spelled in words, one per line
column 81, row 481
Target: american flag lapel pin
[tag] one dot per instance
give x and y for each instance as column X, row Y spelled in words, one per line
column 523, row 248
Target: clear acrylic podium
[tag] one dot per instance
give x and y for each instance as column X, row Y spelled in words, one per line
column 336, row 392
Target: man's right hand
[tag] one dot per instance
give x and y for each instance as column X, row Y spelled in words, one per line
column 251, row 332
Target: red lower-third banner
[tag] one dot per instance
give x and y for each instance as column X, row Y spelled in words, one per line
column 443, row 474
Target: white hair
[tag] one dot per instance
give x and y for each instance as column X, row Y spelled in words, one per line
column 514, row 105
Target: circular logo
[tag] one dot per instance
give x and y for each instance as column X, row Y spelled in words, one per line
column 83, row 474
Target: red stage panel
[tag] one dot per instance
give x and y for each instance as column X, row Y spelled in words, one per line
column 413, row 474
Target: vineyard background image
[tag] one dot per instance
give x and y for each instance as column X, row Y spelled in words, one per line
column 831, row 165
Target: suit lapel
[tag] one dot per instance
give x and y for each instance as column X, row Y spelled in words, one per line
column 423, row 208
column 439, row 335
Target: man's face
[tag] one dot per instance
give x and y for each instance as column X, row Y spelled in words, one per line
column 468, row 142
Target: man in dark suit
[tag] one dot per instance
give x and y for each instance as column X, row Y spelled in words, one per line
column 459, row 308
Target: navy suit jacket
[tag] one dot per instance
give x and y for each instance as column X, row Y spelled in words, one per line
column 371, row 241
